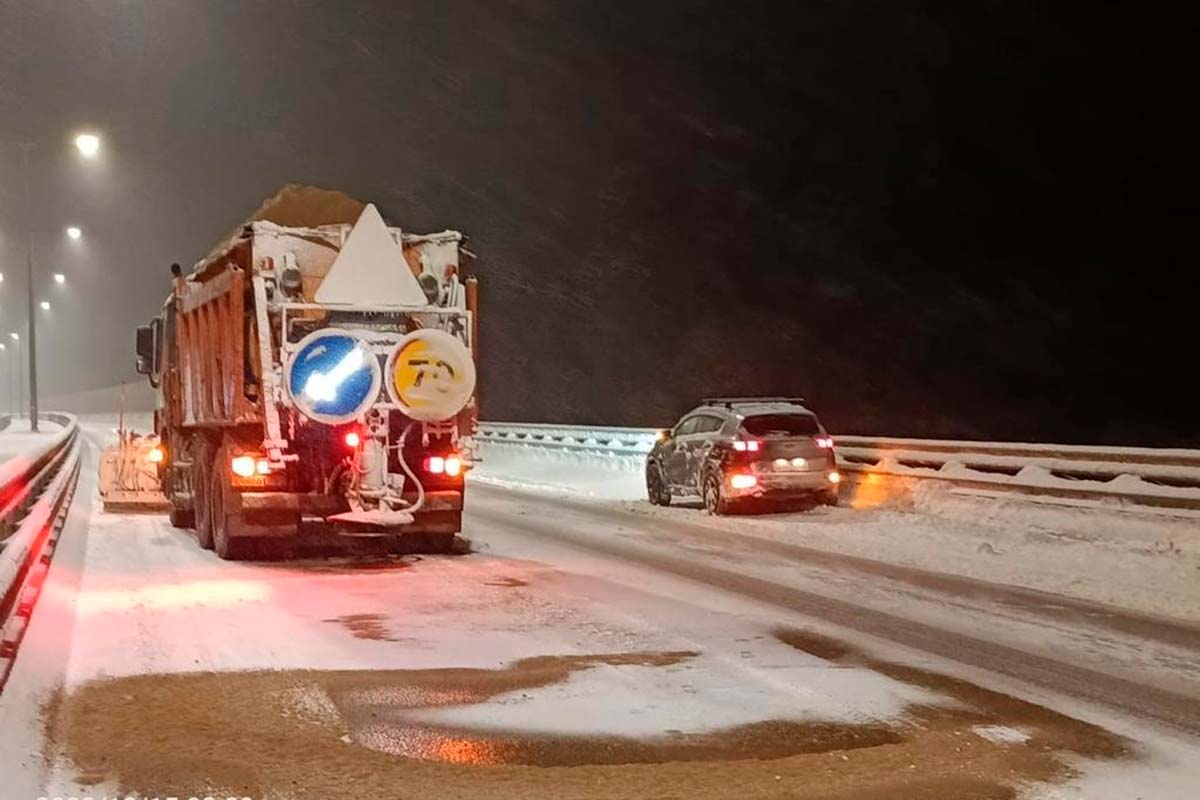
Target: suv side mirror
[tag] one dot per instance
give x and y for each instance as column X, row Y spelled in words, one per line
column 145, row 349
column 663, row 435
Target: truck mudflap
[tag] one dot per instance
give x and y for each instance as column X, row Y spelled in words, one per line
column 271, row 505
column 376, row 519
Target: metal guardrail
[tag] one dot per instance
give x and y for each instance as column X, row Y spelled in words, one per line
column 1168, row 478
column 595, row 439
column 35, row 494
column 1141, row 475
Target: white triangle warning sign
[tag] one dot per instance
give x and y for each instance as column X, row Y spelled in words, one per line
column 370, row 269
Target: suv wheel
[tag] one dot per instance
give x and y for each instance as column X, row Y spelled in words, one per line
column 656, row 488
column 714, row 499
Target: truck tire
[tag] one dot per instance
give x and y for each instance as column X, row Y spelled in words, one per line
column 229, row 530
column 449, row 542
column 234, row 536
column 179, row 477
column 182, row 517
column 201, row 476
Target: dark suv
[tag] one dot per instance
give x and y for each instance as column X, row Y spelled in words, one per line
column 730, row 449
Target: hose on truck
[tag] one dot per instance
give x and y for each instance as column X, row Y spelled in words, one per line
column 407, row 471
column 359, row 470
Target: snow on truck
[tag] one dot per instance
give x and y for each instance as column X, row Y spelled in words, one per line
column 319, row 363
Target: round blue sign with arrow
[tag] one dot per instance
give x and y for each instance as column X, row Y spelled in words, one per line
column 333, row 376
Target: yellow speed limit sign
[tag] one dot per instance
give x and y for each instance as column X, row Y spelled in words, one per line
column 431, row 375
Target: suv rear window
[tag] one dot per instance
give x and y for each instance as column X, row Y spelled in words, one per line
column 781, row 425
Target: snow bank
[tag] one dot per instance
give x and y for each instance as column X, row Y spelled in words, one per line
column 585, row 474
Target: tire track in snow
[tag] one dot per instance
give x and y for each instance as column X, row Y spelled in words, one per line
column 1137, row 700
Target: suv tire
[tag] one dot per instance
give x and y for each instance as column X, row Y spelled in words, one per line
column 715, row 502
column 656, row 488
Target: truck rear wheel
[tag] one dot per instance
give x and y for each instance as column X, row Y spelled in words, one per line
column 182, row 517
column 229, row 530
column 446, row 541
column 201, row 476
column 178, row 480
column 262, row 536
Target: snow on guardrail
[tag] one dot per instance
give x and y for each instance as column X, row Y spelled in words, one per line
column 35, row 489
column 1162, row 477
column 1139, row 475
column 593, row 439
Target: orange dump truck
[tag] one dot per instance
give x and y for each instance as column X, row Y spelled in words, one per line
column 317, row 364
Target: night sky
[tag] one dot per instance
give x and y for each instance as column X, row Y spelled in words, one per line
column 931, row 219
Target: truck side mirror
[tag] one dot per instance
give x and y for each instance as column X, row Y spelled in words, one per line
column 145, row 350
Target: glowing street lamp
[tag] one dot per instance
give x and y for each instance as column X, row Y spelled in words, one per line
column 59, row 278
column 88, row 144
column 45, row 305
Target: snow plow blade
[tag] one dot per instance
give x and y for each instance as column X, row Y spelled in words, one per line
column 129, row 475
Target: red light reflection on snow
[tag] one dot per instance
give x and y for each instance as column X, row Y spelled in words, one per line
column 206, row 593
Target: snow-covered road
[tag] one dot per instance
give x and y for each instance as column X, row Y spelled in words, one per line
column 585, row 648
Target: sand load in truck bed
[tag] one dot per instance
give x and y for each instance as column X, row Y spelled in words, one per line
column 317, row 222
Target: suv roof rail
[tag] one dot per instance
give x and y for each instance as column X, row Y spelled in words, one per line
column 730, row 402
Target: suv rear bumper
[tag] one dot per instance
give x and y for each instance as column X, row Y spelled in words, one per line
column 797, row 484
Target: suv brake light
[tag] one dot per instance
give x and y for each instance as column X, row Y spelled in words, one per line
column 824, row 442
column 746, row 445
column 742, row 481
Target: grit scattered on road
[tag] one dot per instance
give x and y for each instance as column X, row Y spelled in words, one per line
column 299, row 734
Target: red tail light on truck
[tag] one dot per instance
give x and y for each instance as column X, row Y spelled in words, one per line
column 248, row 466
column 450, row 465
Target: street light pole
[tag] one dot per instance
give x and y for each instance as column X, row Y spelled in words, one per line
column 16, row 363
column 32, row 348
column 11, row 360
